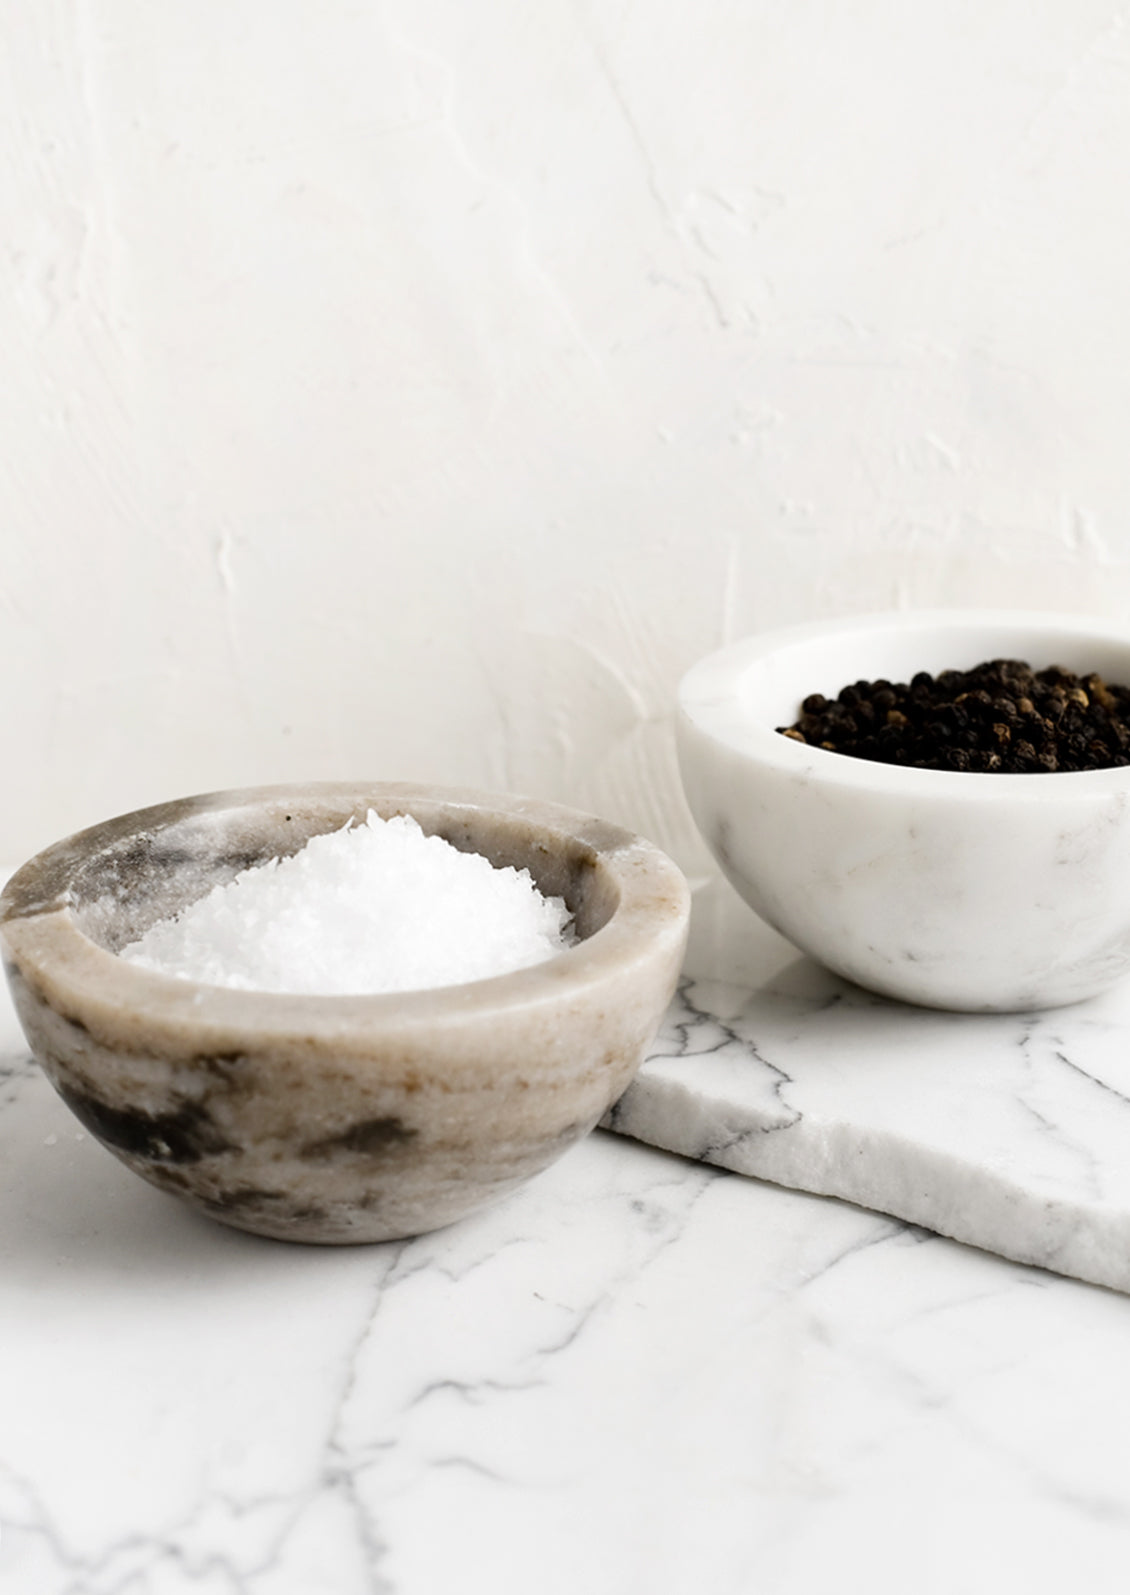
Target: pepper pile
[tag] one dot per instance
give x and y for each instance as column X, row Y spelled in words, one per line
column 1000, row 716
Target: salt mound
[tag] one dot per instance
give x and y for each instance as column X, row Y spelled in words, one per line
column 376, row 907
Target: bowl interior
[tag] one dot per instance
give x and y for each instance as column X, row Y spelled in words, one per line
column 131, row 875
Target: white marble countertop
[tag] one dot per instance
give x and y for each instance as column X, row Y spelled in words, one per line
column 641, row 1375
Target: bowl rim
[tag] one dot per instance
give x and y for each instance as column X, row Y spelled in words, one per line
column 40, row 937
column 708, row 700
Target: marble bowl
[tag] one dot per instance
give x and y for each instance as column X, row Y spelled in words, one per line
column 954, row 890
column 327, row 1118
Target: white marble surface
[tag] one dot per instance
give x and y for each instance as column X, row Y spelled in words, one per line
column 640, row 1376
column 1006, row 1131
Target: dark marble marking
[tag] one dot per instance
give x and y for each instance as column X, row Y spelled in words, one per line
column 220, row 1065
column 183, row 1136
column 249, row 1202
column 26, row 905
column 368, row 1137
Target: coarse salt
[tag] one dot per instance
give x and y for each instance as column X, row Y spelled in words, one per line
column 376, row 907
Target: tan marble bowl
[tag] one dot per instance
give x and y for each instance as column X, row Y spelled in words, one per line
column 338, row 1119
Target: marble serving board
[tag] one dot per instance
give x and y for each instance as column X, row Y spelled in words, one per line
column 1008, row 1132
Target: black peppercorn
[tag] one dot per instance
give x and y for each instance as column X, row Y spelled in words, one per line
column 1000, row 716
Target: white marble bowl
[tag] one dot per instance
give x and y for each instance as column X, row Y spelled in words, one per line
column 338, row 1119
column 954, row 890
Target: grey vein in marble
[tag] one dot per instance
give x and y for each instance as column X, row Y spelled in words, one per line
column 1008, row 1132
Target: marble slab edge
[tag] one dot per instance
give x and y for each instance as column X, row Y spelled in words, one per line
column 1010, row 1133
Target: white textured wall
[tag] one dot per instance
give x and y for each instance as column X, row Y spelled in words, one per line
column 414, row 388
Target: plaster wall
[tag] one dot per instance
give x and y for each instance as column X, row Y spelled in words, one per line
column 415, row 389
